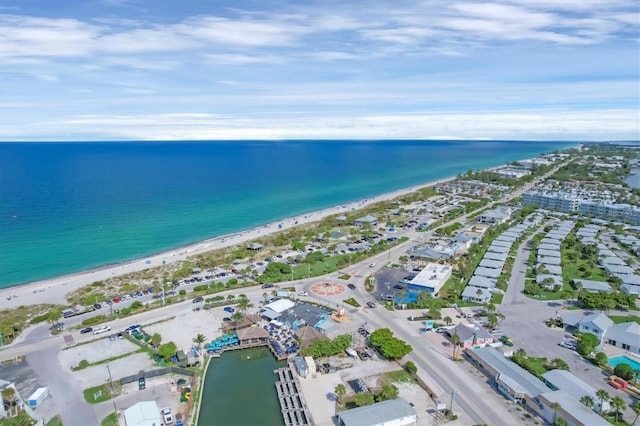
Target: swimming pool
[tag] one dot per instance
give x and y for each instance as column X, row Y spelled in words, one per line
column 620, row 359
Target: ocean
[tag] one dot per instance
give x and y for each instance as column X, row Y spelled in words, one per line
column 68, row 207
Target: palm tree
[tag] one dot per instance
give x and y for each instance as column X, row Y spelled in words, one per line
column 9, row 395
column 603, row 396
column 455, row 340
column 447, row 320
column 237, row 316
column 618, row 405
column 491, row 308
column 199, row 339
column 636, row 409
column 561, row 422
column 587, row 401
column 555, row 406
column 244, row 304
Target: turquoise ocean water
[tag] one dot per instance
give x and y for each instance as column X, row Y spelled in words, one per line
column 67, row 207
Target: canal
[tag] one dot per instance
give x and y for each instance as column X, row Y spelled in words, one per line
column 239, row 389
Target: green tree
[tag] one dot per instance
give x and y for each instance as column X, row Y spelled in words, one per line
column 167, row 350
column 601, row 359
column 236, row 317
column 560, row 364
column 587, row 401
column 389, row 346
column 364, row 398
column 618, row 405
column 587, row 343
column 54, row 317
column 447, row 320
column 411, row 367
column 389, row 391
column 623, row 370
column 636, row 409
column 244, row 304
column 156, row 339
column 603, row 396
column 560, row 421
column 555, row 406
column 340, row 391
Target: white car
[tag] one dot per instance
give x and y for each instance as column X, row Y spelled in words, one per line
column 372, row 264
column 102, row 329
column 167, row 416
column 302, row 293
column 569, row 345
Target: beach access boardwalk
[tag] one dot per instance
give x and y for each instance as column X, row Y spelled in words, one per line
column 292, row 403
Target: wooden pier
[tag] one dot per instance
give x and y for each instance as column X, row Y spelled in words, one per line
column 252, row 345
column 292, row 403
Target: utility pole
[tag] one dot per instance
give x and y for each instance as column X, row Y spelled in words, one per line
column 113, row 397
column 453, row 394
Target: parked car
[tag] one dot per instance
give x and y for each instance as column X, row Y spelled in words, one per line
column 229, row 309
column 569, row 345
column 506, row 341
column 267, row 285
column 198, row 299
column 496, row 331
column 102, row 329
column 371, row 304
column 167, row 416
column 351, row 286
column 142, row 384
column 86, row 330
column 97, row 306
column 302, row 293
column 226, row 319
column 372, row 264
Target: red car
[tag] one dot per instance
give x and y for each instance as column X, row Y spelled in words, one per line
column 115, row 300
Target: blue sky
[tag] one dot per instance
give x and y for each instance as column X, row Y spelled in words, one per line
column 192, row 69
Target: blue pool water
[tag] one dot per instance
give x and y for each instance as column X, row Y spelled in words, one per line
column 620, row 359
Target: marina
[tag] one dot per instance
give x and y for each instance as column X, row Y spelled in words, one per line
column 292, row 403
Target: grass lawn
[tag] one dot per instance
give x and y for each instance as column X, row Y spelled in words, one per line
column 56, row 421
column 90, row 394
column 110, row 420
column 535, row 365
column 399, row 376
column 621, row 319
column 496, row 298
column 570, row 268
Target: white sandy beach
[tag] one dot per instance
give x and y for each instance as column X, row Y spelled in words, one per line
column 54, row 290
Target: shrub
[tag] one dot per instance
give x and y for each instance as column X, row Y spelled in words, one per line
column 94, row 320
column 411, row 367
column 200, row 288
column 601, row 359
column 83, row 364
column 624, row 371
column 351, row 301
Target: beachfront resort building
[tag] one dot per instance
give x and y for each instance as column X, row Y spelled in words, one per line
column 393, row 412
column 361, row 222
column 431, row 278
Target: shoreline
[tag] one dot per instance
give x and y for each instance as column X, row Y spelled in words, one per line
column 53, row 290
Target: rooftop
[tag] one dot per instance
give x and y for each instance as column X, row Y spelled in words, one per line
column 379, row 413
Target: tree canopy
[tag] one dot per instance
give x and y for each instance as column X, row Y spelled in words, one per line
column 389, row 346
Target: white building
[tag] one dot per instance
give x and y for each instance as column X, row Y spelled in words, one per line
column 393, row 412
column 274, row 309
column 432, row 277
column 625, row 336
column 565, row 381
column 145, row 413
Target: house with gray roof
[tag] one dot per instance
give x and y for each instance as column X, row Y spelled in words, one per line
column 487, row 272
column 630, row 290
column 618, row 269
column 548, row 253
column 631, row 279
column 625, row 336
column 495, row 216
column 595, row 324
column 494, row 264
column 496, row 256
column 499, row 243
column 550, row 269
column 392, row 412
column 513, row 381
column 548, row 281
column 612, row 260
column 368, row 219
column 568, row 408
column 498, row 249
column 471, row 336
column 594, row 286
column 565, row 381
column 549, row 260
column 481, row 282
column 475, row 294
column 506, row 238
column 548, row 246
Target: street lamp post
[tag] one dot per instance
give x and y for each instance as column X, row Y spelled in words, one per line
column 112, row 391
column 453, row 394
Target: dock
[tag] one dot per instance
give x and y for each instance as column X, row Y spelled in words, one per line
column 292, row 403
column 253, row 345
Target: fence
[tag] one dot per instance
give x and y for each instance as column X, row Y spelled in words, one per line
column 155, row 373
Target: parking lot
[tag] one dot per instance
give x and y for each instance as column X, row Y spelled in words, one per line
column 386, row 279
column 187, row 324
